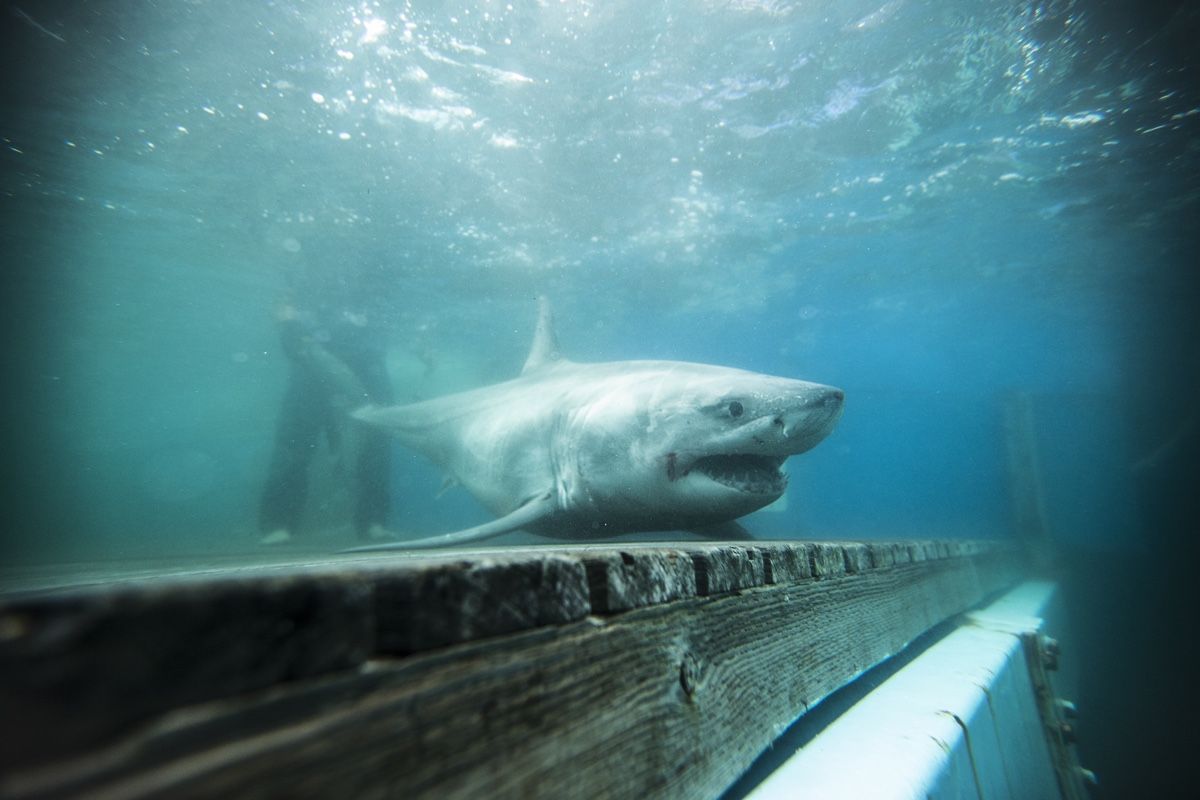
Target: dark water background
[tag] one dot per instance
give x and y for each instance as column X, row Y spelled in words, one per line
column 932, row 205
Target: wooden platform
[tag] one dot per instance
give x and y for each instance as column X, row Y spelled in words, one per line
column 588, row 671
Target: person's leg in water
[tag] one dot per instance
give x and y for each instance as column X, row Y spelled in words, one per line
column 373, row 501
column 302, row 417
column 374, row 472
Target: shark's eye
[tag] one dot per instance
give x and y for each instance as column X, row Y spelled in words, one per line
column 735, row 409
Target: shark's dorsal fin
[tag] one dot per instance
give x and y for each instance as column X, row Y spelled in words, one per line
column 545, row 340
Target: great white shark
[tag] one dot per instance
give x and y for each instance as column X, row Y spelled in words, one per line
column 585, row 451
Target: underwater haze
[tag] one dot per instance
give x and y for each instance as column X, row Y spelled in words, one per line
column 934, row 206
column 930, row 205
column 949, row 210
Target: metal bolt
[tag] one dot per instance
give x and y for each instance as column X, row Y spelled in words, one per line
column 1050, row 653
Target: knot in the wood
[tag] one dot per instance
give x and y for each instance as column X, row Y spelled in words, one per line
column 689, row 674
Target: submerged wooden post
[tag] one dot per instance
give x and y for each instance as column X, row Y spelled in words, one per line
column 1024, row 472
column 586, row 671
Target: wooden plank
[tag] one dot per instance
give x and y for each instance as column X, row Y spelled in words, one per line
column 556, row 694
column 787, row 562
column 76, row 669
column 621, row 580
column 723, row 568
column 827, row 560
column 441, row 603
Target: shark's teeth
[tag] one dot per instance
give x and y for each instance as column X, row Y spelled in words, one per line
column 747, row 473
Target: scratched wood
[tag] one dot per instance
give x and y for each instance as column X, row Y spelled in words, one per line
column 643, row 670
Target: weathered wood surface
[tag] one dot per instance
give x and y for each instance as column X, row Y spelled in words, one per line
column 589, row 671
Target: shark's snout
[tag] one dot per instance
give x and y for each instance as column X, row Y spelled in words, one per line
column 817, row 413
column 829, row 397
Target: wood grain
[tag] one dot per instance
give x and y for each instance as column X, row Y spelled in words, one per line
column 594, row 671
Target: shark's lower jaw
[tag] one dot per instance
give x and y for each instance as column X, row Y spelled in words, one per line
column 747, row 473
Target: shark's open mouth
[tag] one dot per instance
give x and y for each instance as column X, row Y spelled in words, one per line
column 746, row 473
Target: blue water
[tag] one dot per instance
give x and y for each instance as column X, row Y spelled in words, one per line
column 930, row 205
column 935, row 206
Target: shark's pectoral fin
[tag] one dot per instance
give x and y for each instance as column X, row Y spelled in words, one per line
column 537, row 508
column 723, row 531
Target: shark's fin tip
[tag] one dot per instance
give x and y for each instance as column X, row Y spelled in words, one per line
column 544, row 351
